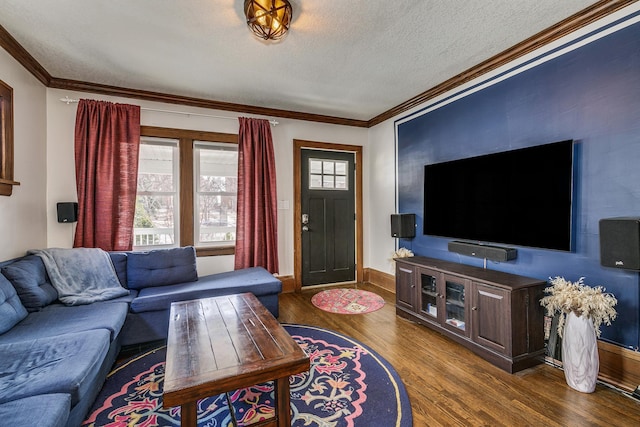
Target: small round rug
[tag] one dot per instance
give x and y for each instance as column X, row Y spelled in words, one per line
column 347, row 301
column 348, row 385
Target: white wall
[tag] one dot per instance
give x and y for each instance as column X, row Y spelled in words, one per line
column 61, row 170
column 23, row 214
column 380, row 185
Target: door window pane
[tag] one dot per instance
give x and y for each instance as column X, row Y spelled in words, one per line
column 315, row 166
column 328, row 167
column 315, row 181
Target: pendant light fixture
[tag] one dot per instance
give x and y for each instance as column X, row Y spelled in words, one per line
column 268, row 19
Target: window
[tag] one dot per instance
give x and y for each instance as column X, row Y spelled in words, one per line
column 216, row 192
column 6, row 140
column 157, row 198
column 187, row 190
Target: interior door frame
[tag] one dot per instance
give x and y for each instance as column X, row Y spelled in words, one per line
column 298, row 146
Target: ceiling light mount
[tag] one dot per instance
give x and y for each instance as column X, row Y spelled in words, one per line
column 268, row 19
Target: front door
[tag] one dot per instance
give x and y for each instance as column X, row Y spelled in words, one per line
column 328, row 216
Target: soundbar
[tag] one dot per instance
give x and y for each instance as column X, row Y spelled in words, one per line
column 478, row 250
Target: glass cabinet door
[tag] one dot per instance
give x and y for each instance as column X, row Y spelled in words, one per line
column 455, row 306
column 429, row 295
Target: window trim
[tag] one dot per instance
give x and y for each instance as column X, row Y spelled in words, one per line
column 6, row 140
column 186, row 139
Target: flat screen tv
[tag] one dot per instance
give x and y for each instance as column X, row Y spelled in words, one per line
column 520, row 197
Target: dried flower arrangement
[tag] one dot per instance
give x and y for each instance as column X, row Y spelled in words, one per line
column 401, row 253
column 565, row 296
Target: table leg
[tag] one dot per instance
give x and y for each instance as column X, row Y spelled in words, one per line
column 283, row 406
column 189, row 414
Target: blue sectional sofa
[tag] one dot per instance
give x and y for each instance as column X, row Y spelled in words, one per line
column 54, row 357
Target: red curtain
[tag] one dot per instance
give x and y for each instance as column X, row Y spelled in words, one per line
column 257, row 221
column 107, row 142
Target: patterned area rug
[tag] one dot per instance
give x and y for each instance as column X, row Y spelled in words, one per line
column 349, row 385
column 347, row 301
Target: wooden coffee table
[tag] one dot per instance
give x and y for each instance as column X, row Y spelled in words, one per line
column 217, row 345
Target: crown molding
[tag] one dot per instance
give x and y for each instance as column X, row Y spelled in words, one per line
column 21, row 55
column 573, row 23
column 80, row 86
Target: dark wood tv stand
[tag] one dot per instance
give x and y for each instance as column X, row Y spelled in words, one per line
column 496, row 315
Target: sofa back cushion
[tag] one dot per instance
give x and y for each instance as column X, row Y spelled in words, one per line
column 31, row 282
column 119, row 261
column 161, row 267
column 11, row 309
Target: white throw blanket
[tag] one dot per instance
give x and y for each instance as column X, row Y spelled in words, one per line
column 81, row 275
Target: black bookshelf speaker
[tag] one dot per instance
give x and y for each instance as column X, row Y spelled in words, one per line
column 620, row 242
column 67, row 212
column 403, row 225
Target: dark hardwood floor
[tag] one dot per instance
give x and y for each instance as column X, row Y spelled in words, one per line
column 449, row 385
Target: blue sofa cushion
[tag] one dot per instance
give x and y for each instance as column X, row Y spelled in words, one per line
column 256, row 280
column 11, row 309
column 67, row 363
column 161, row 267
column 59, row 319
column 45, row 410
column 119, row 260
column 30, row 280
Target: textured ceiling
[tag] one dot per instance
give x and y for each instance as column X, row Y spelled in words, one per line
column 345, row 58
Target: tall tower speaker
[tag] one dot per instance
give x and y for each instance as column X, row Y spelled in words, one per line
column 403, row 225
column 620, row 243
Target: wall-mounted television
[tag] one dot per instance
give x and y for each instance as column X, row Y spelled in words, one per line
column 520, row 197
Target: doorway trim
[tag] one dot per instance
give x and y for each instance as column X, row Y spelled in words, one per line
column 298, row 146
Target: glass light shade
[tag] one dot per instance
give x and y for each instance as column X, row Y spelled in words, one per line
column 268, row 19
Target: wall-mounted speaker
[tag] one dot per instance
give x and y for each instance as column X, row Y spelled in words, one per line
column 620, row 242
column 477, row 250
column 403, row 225
column 67, row 212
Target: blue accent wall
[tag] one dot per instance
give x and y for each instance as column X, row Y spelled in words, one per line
column 590, row 94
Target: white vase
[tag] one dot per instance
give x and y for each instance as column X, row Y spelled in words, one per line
column 580, row 353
